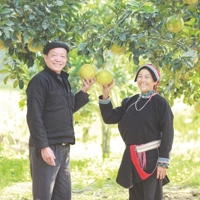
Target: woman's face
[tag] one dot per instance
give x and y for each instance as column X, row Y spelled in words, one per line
column 145, row 81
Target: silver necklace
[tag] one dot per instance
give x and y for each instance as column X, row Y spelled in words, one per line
column 143, row 105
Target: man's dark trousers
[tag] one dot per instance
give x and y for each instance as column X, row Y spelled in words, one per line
column 51, row 182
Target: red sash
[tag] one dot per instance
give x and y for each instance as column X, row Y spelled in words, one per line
column 143, row 175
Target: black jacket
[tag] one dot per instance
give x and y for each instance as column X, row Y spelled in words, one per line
column 154, row 121
column 50, row 107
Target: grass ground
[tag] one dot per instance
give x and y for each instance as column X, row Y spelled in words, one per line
column 93, row 178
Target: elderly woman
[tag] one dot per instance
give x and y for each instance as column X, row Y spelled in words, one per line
column 145, row 122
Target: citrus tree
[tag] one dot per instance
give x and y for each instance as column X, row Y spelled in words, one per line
column 119, row 35
column 142, row 29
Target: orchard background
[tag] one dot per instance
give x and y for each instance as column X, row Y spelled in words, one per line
column 91, row 28
column 116, row 35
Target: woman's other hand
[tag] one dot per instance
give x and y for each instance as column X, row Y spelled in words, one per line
column 161, row 172
column 107, row 89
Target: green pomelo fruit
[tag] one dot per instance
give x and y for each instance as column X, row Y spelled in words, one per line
column 189, row 1
column 77, row 116
column 118, row 50
column 87, row 71
column 175, row 24
column 192, row 8
column 104, row 77
column 197, row 107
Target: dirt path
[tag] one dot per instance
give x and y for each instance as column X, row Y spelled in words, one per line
column 22, row 191
column 186, row 194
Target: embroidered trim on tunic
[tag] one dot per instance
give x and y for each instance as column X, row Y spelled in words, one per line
column 146, row 95
column 106, row 101
column 163, row 162
column 163, row 165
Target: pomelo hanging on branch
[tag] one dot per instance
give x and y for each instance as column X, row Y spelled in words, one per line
column 34, row 48
column 197, row 107
column 190, row 1
column 87, row 71
column 104, row 77
column 2, row 45
column 118, row 50
column 175, row 23
column 77, row 116
column 19, row 37
column 192, row 8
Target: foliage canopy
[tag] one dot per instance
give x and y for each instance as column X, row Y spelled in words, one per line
column 92, row 27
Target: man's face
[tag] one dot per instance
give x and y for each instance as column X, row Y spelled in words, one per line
column 56, row 59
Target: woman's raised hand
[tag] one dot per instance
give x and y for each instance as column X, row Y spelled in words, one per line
column 107, row 89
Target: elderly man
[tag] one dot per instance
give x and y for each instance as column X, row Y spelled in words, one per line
column 50, row 107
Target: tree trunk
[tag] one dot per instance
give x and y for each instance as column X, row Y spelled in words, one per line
column 105, row 140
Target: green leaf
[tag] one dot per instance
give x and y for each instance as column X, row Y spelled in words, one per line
column 170, row 86
column 5, row 80
column 82, row 46
column 147, row 9
column 40, row 13
column 4, row 71
column 3, row 22
column 87, row 15
column 5, row 11
column 10, row 23
column 62, row 29
column 6, row 32
column 100, row 60
column 21, row 84
column 136, row 60
column 15, row 83
column 27, row 8
column 11, row 50
column 51, row 29
column 176, row 66
column 31, row 16
column 134, row 4
column 112, row 8
column 47, row 10
column 59, row 3
column 30, row 62
column 122, row 37
column 197, row 33
column 64, row 10
column 45, row 25
column 90, row 49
